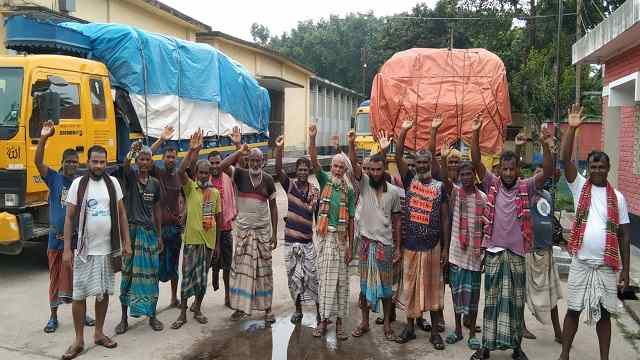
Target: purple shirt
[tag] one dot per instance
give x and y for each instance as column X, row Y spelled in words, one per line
column 507, row 230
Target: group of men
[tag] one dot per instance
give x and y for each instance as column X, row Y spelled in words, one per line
column 435, row 223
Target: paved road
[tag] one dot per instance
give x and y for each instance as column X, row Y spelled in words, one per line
column 24, row 311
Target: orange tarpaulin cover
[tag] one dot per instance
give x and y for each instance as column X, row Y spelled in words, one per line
column 418, row 83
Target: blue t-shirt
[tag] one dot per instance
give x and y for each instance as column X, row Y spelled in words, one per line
column 58, row 187
column 422, row 219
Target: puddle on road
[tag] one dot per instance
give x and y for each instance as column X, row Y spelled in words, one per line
column 251, row 339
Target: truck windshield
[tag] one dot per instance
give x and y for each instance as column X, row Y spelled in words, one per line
column 10, row 96
column 362, row 123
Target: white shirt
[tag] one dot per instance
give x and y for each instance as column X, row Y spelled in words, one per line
column 98, row 214
column 595, row 233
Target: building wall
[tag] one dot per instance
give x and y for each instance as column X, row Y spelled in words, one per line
column 624, row 64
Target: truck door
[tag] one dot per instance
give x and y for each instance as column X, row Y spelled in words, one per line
column 69, row 130
column 100, row 119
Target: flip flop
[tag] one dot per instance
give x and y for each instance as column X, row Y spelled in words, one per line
column 89, row 321
column 340, row 334
column 122, row 328
column 200, row 318
column 359, row 331
column 239, row 315
column 480, row 355
column 423, row 324
column 453, row 338
column 52, row 326
column 319, row 331
column 474, row 343
column 106, row 342
column 269, row 318
column 390, row 336
column 406, row 335
column 156, row 324
column 178, row 324
column 72, row 352
column 296, row 318
column 437, row 342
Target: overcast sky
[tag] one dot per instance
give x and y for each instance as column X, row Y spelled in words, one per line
column 235, row 17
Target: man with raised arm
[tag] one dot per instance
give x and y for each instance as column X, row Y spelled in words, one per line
column 58, row 183
column 507, row 238
column 335, row 238
column 599, row 244
column 300, row 253
column 425, row 246
column 201, row 234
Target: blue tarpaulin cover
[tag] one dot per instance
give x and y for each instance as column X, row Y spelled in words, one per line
column 172, row 66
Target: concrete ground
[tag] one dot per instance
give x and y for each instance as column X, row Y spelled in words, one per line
column 24, row 312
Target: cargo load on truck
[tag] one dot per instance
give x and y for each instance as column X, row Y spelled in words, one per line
column 419, row 83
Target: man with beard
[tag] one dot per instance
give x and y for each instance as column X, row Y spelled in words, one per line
column 335, row 238
column 507, row 238
column 379, row 231
column 256, row 235
column 201, row 234
column 425, row 247
column 171, row 213
column 599, row 244
column 60, row 279
column 139, row 287
column 300, row 253
column 95, row 224
column 224, row 184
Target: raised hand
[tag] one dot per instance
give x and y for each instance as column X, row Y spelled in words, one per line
column 476, row 122
column 136, row 147
column 407, row 124
column 521, row 139
column 280, row 142
column 351, row 137
column 437, row 121
column 546, row 137
column 244, row 150
column 575, row 116
column 196, row 141
column 384, row 140
column 48, row 129
column 167, row 133
column 236, row 136
column 313, row 130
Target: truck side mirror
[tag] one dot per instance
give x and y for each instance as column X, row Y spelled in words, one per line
column 48, row 105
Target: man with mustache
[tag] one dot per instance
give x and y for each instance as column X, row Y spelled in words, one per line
column 425, row 246
column 201, row 234
column 379, row 231
column 300, row 258
column 97, row 231
column 599, row 244
column 58, row 182
column 139, row 284
column 335, row 238
column 507, row 238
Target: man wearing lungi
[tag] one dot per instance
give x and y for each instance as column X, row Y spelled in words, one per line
column 507, row 238
column 335, row 238
column 139, row 287
column 379, row 232
column 172, row 216
column 300, row 254
column 201, row 234
column 95, row 224
column 599, row 244
column 60, row 278
column 256, row 234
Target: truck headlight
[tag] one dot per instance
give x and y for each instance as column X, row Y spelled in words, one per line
column 11, row 200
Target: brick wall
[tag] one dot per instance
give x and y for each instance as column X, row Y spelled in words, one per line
column 628, row 177
column 624, row 64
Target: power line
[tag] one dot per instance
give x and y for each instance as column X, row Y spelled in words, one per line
column 476, row 18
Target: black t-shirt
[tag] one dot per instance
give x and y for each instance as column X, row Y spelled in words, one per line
column 140, row 198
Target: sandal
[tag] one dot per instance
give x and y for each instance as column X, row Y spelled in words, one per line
column 106, row 342
column 178, row 324
column 359, row 331
column 390, row 336
column 52, row 326
column 474, row 343
column 239, row 315
column 122, row 328
column 481, row 354
column 296, row 318
column 270, row 318
column 453, row 338
column 156, row 324
column 406, row 336
column 89, row 321
column 340, row 334
column 423, row 324
column 518, row 354
column 320, row 330
column 72, row 352
column 436, row 341
column 200, row 318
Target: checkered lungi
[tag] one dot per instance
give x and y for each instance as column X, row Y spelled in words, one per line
column 543, row 284
column 333, row 294
column 465, row 289
column 590, row 287
column 376, row 272
column 60, row 280
column 196, row 260
column 94, row 277
column 302, row 277
column 422, row 287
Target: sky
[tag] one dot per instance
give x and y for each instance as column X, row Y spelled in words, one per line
column 236, row 16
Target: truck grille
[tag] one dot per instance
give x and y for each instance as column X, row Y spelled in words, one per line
column 12, row 182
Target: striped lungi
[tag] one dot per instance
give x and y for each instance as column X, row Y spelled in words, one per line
column 251, row 277
column 590, row 286
column 195, row 269
column 139, row 288
column 543, row 284
column 60, row 280
column 94, row 277
column 170, row 256
column 504, row 297
column 333, row 294
column 465, row 289
column 302, row 277
column 376, row 272
column 422, row 287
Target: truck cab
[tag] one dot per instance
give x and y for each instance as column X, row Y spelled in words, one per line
column 84, row 116
column 365, row 142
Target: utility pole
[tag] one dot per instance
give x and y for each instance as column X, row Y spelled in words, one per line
column 578, row 65
column 363, row 56
column 556, row 113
